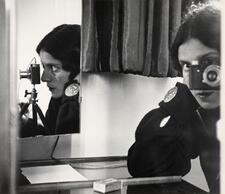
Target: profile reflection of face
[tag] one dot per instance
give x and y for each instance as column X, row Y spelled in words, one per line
column 53, row 74
column 193, row 50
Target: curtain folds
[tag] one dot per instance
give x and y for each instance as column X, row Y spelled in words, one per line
column 129, row 36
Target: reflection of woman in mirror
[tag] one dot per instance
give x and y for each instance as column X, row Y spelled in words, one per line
column 59, row 52
column 184, row 125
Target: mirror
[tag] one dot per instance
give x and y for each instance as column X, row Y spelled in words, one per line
column 34, row 20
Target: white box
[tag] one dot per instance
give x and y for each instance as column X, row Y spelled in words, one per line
column 107, row 185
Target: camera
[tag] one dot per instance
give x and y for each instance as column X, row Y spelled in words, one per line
column 204, row 77
column 33, row 73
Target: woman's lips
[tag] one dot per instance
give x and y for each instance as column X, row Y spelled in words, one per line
column 204, row 95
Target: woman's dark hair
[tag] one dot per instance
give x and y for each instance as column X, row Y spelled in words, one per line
column 202, row 22
column 63, row 43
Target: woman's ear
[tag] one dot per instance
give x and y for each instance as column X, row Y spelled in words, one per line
column 77, row 78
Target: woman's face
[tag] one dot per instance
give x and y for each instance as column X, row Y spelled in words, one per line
column 53, row 74
column 194, row 50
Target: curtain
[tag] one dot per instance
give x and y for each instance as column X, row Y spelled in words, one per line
column 129, row 36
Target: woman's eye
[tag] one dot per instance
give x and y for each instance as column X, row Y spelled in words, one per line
column 186, row 68
column 55, row 69
column 185, row 64
column 210, row 61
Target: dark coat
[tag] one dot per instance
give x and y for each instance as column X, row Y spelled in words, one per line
column 168, row 137
column 62, row 116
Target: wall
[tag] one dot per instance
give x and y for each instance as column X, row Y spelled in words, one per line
column 112, row 106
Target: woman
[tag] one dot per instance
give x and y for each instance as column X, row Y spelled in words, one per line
column 184, row 125
column 59, row 52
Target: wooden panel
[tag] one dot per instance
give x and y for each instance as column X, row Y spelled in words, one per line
column 7, row 100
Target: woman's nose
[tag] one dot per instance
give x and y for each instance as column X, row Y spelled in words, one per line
column 46, row 76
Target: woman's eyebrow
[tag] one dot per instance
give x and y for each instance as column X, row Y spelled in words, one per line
column 210, row 54
column 52, row 64
column 183, row 62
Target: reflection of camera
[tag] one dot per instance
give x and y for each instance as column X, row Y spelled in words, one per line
column 33, row 73
column 204, row 77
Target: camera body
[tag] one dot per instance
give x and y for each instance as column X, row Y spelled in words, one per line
column 33, row 73
column 204, row 77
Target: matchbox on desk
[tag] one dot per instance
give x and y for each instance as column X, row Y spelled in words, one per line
column 107, row 185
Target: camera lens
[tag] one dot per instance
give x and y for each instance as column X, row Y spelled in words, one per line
column 211, row 75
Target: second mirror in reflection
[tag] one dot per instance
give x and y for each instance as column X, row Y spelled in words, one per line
column 59, row 53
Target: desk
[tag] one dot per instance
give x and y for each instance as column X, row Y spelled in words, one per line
column 102, row 168
column 182, row 187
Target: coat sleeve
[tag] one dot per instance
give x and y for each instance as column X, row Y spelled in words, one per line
column 159, row 151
